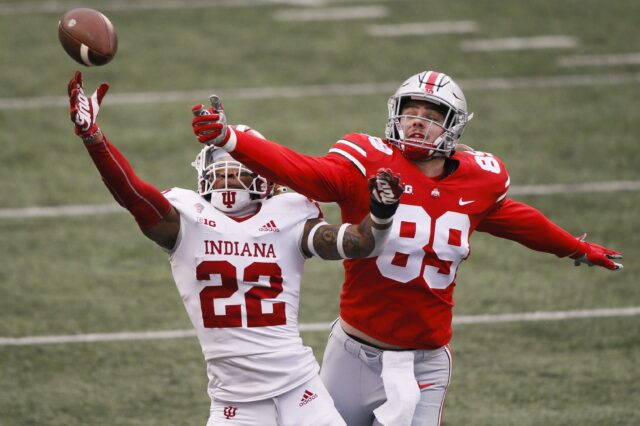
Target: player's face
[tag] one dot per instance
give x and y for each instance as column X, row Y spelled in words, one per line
column 414, row 124
column 235, row 178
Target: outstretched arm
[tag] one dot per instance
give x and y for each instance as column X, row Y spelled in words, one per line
column 347, row 241
column 522, row 223
column 157, row 218
column 320, row 178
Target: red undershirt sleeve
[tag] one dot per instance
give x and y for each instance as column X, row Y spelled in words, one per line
column 524, row 224
column 321, row 178
column 145, row 202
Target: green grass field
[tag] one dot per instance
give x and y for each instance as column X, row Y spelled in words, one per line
column 98, row 274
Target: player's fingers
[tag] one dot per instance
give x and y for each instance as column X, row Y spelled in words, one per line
column 603, row 261
column 216, row 102
column 200, row 109
column 384, row 175
column 207, row 137
column 78, row 78
column 209, row 118
column 101, row 91
column 207, row 127
column 73, row 98
column 71, row 85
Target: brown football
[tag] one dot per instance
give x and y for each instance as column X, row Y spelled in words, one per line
column 88, row 36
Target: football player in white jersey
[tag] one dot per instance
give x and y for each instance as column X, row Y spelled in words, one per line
column 237, row 255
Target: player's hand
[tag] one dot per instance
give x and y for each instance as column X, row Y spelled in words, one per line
column 210, row 124
column 83, row 110
column 595, row 254
column 385, row 190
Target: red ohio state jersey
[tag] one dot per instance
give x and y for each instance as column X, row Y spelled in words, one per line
column 404, row 297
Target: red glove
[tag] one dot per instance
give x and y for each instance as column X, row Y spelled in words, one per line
column 210, row 124
column 595, row 254
column 385, row 189
column 83, row 110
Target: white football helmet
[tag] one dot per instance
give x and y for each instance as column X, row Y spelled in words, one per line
column 213, row 163
column 440, row 90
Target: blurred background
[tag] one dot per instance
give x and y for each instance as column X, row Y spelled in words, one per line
column 554, row 86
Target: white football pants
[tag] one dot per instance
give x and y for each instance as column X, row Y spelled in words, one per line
column 351, row 372
column 306, row 405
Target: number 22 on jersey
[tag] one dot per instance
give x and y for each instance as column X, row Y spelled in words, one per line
column 404, row 257
column 252, row 307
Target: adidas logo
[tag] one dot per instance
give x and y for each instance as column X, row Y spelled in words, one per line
column 307, row 397
column 270, row 226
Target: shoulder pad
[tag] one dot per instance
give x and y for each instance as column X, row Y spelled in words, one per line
column 360, row 148
column 182, row 196
column 487, row 168
column 294, row 203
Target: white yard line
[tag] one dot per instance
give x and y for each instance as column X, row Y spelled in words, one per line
column 519, row 43
column 600, row 60
column 96, row 209
column 546, row 316
column 423, row 28
column 58, row 211
column 573, row 188
column 323, row 90
column 28, row 8
column 321, row 326
column 331, row 14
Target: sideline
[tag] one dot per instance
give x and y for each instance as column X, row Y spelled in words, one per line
column 321, row 326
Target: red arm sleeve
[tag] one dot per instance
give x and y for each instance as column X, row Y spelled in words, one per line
column 522, row 223
column 321, row 178
column 145, row 202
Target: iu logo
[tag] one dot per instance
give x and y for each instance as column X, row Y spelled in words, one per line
column 229, row 198
column 230, row 412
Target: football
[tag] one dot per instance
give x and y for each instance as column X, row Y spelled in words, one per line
column 88, row 36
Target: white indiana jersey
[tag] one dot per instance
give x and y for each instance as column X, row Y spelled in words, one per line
column 240, row 284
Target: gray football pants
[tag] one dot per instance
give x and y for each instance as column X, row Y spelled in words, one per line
column 351, row 372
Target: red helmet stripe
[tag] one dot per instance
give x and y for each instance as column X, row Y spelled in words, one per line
column 431, row 81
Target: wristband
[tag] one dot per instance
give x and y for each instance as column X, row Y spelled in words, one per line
column 232, row 140
column 379, row 221
column 339, row 239
column 90, row 138
column 382, row 211
column 312, row 233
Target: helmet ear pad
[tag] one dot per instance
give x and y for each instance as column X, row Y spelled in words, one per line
column 263, row 186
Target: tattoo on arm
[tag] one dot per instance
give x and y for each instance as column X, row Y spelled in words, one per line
column 357, row 241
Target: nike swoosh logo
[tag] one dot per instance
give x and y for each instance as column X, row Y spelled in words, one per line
column 464, row 203
column 425, row 385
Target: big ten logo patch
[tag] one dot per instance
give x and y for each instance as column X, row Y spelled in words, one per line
column 208, row 222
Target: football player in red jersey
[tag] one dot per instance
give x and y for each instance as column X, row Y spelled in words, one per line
column 237, row 255
column 387, row 360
